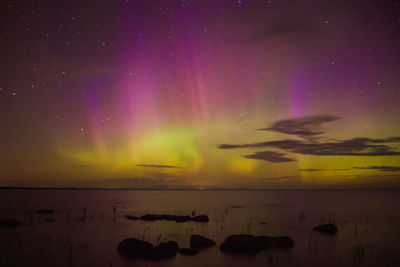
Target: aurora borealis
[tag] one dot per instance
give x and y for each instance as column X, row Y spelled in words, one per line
column 170, row 94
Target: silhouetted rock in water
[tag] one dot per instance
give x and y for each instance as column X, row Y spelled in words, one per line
column 176, row 218
column 150, row 217
column 188, row 251
column 241, row 244
column 130, row 217
column 281, row 242
column 200, row 218
column 48, row 211
column 133, row 247
column 182, row 218
column 169, row 217
column 329, row 228
column 162, row 251
column 198, row 241
column 9, row 223
column 263, row 241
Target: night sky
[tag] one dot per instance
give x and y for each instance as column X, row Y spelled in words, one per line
column 238, row 93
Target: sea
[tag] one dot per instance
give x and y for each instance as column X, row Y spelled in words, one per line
column 87, row 226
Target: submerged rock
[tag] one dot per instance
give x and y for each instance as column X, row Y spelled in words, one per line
column 329, row 228
column 48, row 211
column 131, row 217
column 281, row 242
column 198, row 241
column 9, row 223
column 176, row 218
column 169, row 217
column 182, row 218
column 150, row 217
column 241, row 244
column 162, row 251
column 133, row 247
column 200, row 218
column 188, row 251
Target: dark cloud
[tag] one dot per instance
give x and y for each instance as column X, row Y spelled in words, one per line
column 305, row 127
column 309, row 128
column 156, row 166
column 322, row 170
column 380, row 168
column 270, row 156
column 351, row 147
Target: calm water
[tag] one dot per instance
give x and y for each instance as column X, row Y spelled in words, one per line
column 368, row 222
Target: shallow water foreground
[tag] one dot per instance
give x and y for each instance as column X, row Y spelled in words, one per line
column 87, row 226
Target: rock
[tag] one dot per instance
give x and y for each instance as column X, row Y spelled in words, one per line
column 150, row 217
column 263, row 241
column 198, row 241
column 182, row 218
column 241, row 244
column 162, row 251
column 188, row 251
column 48, row 211
column 329, row 228
column 200, row 218
column 130, row 217
column 169, row 217
column 176, row 218
column 281, row 242
column 9, row 223
column 133, row 247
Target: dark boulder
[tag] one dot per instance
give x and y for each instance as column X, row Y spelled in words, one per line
column 198, row 241
column 150, row 217
column 241, row 244
column 131, row 217
column 9, row 223
column 168, row 217
column 326, row 228
column 200, row 218
column 253, row 244
column 182, row 218
column 263, row 241
column 133, row 247
column 188, row 251
column 48, row 211
column 162, row 251
column 281, row 242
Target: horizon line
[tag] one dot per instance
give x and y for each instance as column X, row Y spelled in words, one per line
column 192, row 188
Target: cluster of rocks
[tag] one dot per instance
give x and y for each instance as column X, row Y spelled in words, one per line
column 135, row 248
column 236, row 244
column 165, row 217
column 253, row 244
